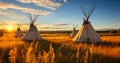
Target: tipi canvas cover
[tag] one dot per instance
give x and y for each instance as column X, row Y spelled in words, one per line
column 32, row 34
column 19, row 32
column 74, row 32
column 86, row 32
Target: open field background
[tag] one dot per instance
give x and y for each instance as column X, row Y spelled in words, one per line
column 58, row 48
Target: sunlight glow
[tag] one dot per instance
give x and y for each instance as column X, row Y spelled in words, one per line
column 10, row 28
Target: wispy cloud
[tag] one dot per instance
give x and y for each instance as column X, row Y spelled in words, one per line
column 52, row 25
column 65, row 1
column 10, row 22
column 61, row 24
column 44, row 3
column 5, row 25
column 6, row 6
column 39, row 26
column 11, row 15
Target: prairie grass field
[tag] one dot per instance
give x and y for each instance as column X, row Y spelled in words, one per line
column 58, row 48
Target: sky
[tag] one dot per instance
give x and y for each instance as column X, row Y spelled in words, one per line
column 59, row 14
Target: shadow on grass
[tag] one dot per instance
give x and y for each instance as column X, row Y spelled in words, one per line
column 103, row 43
column 63, row 54
column 67, row 55
column 99, row 58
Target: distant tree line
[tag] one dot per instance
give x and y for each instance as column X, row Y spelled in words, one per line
column 119, row 30
column 114, row 31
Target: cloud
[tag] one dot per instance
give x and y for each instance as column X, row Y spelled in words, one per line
column 61, row 24
column 6, row 6
column 51, row 25
column 39, row 26
column 10, row 22
column 65, row 1
column 9, row 13
column 43, row 3
column 3, row 13
column 52, row 28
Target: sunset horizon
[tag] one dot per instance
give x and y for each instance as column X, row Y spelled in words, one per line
column 60, row 14
column 59, row 31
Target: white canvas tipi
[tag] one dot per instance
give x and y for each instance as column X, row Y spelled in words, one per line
column 86, row 32
column 32, row 34
column 19, row 32
column 74, row 32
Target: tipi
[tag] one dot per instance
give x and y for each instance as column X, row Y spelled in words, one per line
column 19, row 32
column 74, row 32
column 32, row 34
column 86, row 32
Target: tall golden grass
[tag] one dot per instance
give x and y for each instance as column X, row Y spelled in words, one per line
column 57, row 48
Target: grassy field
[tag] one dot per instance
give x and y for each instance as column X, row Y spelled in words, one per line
column 58, row 48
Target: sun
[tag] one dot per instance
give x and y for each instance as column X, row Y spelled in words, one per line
column 10, row 28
